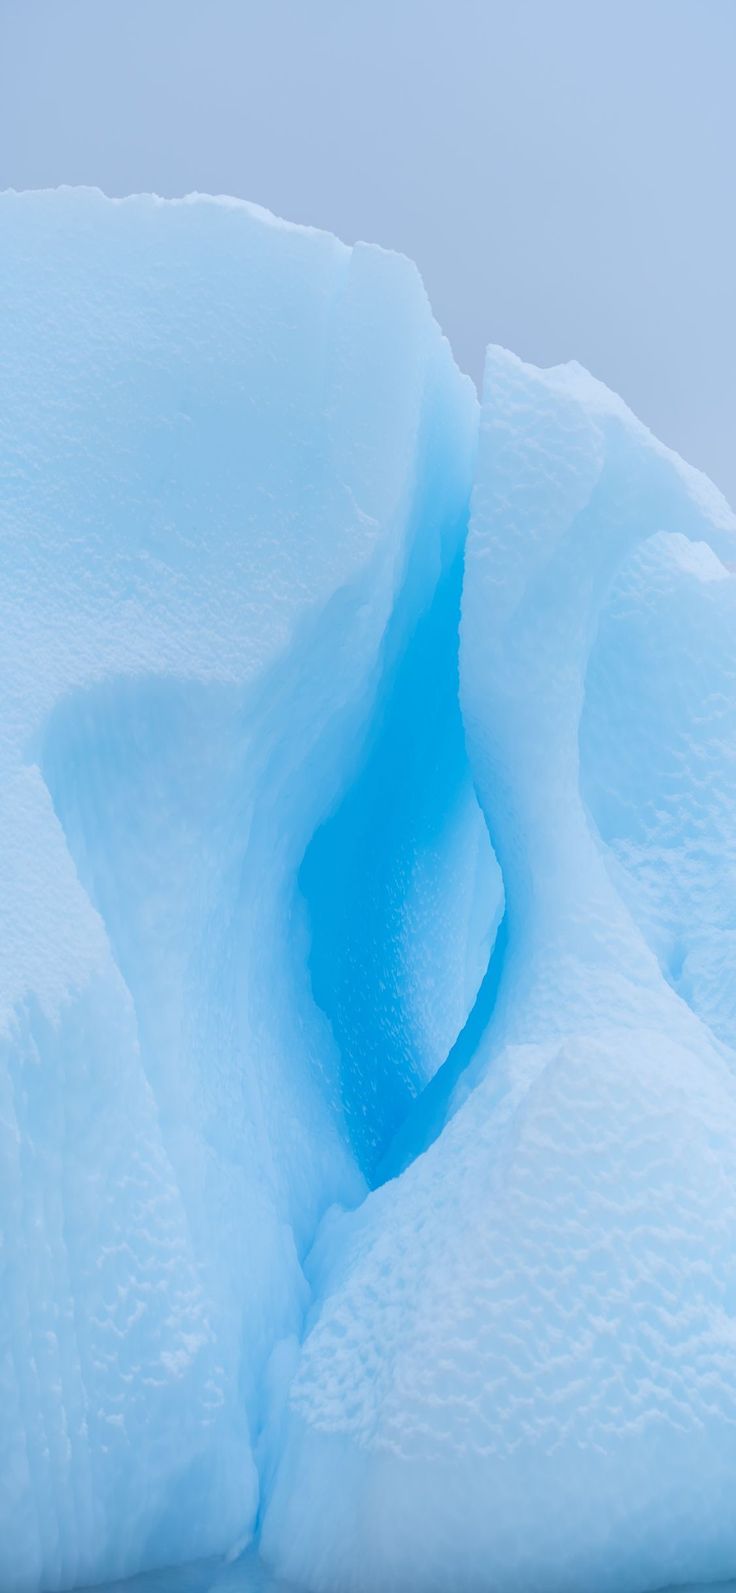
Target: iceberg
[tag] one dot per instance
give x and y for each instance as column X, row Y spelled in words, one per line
column 368, row 862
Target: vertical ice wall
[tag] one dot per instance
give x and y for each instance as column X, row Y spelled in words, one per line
column 215, row 435
column 522, row 1370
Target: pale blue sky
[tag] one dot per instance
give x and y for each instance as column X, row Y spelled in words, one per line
column 563, row 171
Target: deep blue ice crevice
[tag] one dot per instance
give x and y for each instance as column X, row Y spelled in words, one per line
column 401, row 885
column 400, row 882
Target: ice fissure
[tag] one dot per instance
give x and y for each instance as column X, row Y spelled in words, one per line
column 407, row 846
column 368, row 868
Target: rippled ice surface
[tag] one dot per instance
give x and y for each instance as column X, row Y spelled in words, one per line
column 249, row 1575
column 246, row 1575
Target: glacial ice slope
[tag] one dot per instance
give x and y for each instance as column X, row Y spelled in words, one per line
column 236, row 456
column 520, row 1371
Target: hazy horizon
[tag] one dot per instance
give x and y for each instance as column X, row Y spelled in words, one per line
column 561, row 174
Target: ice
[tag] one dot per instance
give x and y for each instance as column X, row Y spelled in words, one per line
column 368, row 990
column 236, row 458
column 520, row 1368
column 658, row 755
column 244, row 1575
column 403, row 890
column 249, row 1576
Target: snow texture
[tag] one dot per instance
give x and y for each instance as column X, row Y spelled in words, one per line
column 368, row 991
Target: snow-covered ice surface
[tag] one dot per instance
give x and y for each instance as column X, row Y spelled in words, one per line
column 341, row 851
